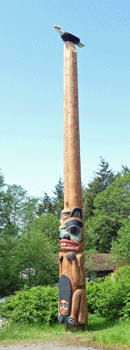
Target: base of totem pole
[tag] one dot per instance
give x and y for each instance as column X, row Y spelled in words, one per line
column 74, row 328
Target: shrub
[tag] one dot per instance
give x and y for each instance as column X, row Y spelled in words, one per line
column 110, row 298
column 36, row 305
column 126, row 309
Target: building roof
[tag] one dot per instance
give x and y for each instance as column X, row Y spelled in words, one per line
column 101, row 262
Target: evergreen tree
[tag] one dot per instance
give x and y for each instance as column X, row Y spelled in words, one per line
column 121, row 246
column 55, row 204
column 58, row 200
column 103, row 178
column 112, row 207
column 45, row 206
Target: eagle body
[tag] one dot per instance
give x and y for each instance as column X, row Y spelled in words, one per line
column 69, row 37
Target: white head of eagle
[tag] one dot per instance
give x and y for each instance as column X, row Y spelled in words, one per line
column 68, row 37
column 59, row 30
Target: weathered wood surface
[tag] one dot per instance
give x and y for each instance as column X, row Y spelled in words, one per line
column 72, row 291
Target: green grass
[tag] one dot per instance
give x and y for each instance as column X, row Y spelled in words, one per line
column 104, row 332
column 101, row 332
column 17, row 332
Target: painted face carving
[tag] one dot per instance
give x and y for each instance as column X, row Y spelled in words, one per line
column 71, row 231
column 64, row 307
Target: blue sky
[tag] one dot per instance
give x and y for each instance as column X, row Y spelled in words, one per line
column 31, row 88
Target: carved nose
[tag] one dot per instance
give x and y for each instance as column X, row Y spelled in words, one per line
column 67, row 236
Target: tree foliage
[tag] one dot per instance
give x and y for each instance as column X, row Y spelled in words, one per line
column 17, row 209
column 29, row 227
column 55, row 204
column 112, row 206
column 45, row 206
column 36, row 252
column 103, row 178
column 58, row 200
column 27, row 241
column 29, row 257
column 9, row 272
column 121, row 246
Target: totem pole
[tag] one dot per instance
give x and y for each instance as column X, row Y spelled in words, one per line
column 72, row 290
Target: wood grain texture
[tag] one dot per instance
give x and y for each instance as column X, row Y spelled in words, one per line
column 72, row 289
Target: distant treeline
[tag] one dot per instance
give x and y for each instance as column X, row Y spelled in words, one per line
column 29, row 227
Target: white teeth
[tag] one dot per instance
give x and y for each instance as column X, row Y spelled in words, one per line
column 63, row 244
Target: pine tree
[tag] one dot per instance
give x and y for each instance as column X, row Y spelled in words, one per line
column 103, row 177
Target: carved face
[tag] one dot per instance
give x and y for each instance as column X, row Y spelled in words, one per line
column 65, row 291
column 64, row 307
column 71, row 231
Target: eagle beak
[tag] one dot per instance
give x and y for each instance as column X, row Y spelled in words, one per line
column 55, row 26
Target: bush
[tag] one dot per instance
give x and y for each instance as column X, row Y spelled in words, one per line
column 36, row 305
column 126, row 309
column 110, row 298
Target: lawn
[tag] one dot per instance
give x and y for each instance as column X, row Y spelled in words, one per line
column 101, row 332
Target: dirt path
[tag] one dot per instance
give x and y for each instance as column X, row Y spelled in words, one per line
column 44, row 346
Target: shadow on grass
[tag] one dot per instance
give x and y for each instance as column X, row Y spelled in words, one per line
column 97, row 323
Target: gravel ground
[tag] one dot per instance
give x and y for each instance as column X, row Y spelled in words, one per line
column 45, row 346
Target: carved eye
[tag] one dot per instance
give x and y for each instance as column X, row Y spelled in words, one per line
column 65, row 306
column 61, row 305
column 73, row 230
column 64, row 216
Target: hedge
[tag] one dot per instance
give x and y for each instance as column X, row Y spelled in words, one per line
column 109, row 297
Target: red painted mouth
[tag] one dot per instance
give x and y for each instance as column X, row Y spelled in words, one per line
column 68, row 244
column 64, row 312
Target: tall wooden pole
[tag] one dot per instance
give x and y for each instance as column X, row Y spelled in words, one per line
column 72, row 174
column 72, row 290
